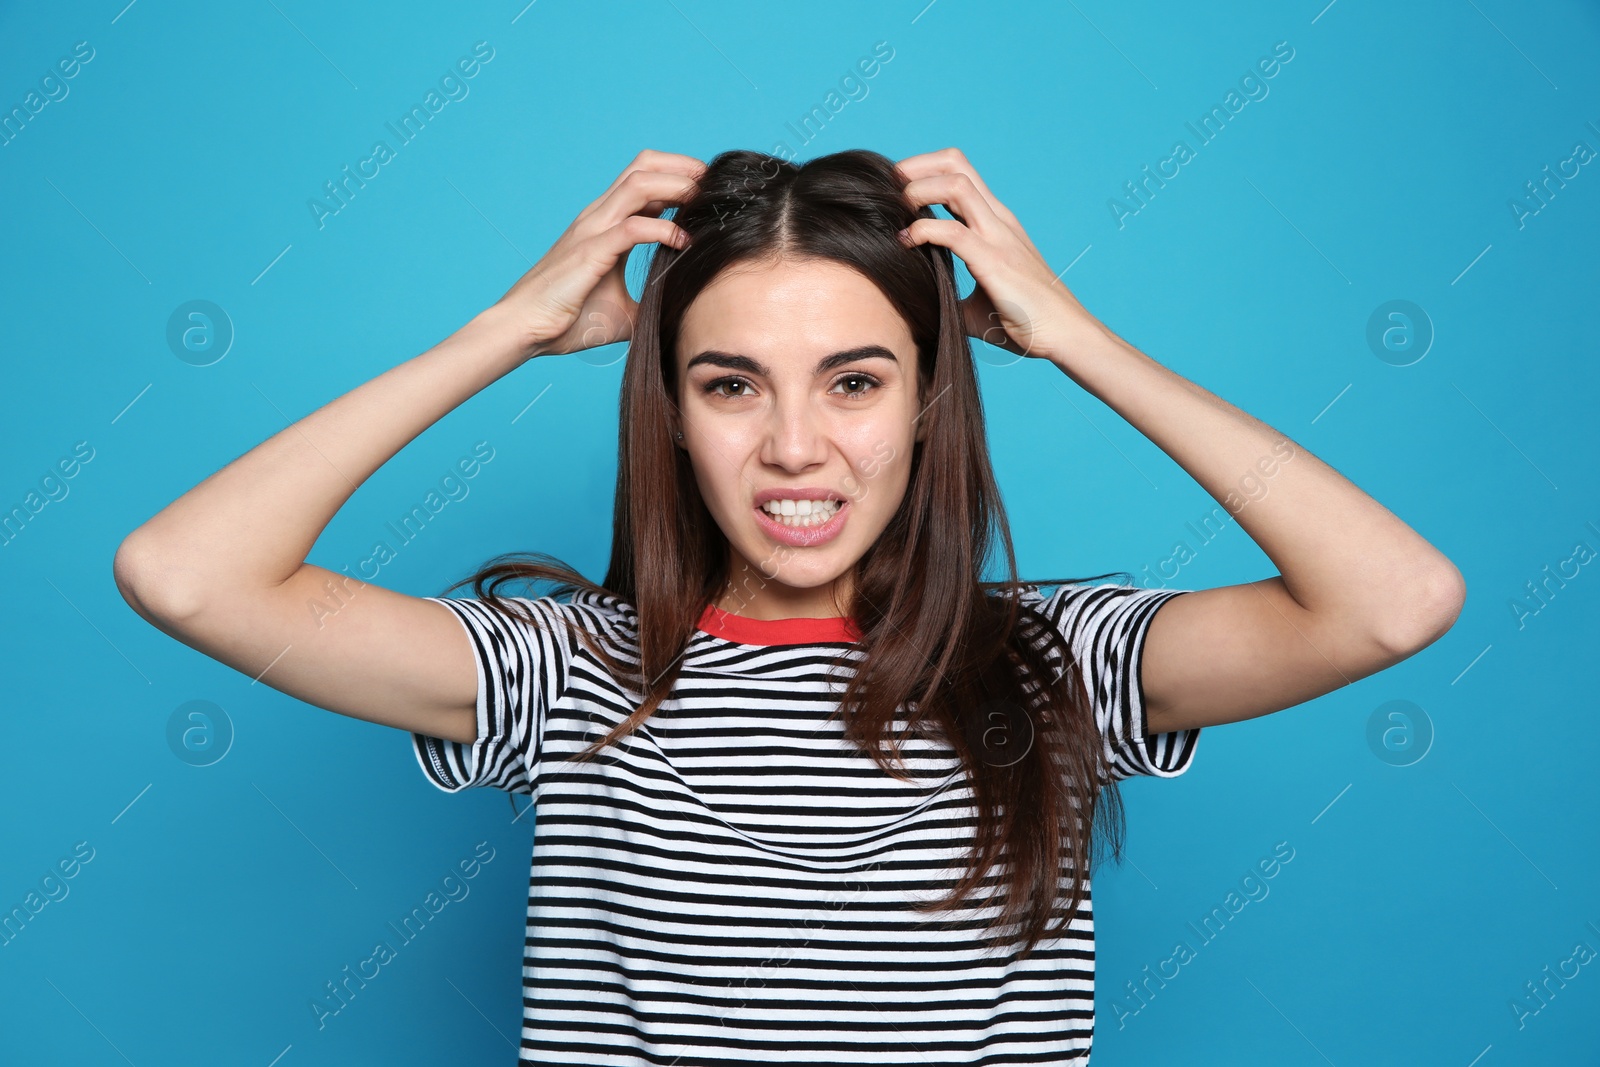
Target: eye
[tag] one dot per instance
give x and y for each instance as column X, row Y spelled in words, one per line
column 866, row 383
column 869, row 383
column 711, row 387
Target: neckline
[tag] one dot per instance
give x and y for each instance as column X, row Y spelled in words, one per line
column 743, row 630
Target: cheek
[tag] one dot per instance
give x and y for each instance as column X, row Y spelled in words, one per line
column 880, row 466
column 719, row 478
column 711, row 482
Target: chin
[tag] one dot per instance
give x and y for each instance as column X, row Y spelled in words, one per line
column 801, row 568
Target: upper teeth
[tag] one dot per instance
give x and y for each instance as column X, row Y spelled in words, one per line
column 822, row 509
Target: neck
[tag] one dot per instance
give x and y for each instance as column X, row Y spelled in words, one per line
column 754, row 596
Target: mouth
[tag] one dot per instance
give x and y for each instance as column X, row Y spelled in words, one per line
column 802, row 523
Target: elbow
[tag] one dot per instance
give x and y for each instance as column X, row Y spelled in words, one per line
column 127, row 573
column 1426, row 612
column 144, row 582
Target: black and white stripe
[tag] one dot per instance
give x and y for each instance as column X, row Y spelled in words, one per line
column 731, row 883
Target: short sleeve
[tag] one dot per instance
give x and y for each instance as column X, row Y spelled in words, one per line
column 1107, row 626
column 521, row 671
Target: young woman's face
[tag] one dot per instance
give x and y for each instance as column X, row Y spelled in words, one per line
column 797, row 379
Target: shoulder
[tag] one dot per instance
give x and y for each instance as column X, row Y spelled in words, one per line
column 1093, row 612
column 603, row 614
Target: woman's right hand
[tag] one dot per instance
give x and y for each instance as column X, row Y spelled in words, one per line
column 576, row 297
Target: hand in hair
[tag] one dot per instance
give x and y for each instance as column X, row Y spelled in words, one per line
column 576, row 297
column 1019, row 303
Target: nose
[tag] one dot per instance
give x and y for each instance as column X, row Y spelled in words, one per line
column 795, row 437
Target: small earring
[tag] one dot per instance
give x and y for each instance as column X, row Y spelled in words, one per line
column 680, row 435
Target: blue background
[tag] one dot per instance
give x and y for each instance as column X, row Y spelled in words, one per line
column 1380, row 166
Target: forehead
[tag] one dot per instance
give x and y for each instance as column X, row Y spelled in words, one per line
column 794, row 307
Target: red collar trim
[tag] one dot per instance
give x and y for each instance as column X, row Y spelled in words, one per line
column 741, row 629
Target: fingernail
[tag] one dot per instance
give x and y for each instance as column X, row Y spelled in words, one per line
column 905, row 237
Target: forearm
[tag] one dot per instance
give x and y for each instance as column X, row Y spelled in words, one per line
column 1338, row 550
column 252, row 523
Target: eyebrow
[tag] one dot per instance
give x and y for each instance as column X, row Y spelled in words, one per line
column 735, row 361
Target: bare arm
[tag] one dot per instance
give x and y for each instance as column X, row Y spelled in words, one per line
column 1358, row 590
column 222, row 568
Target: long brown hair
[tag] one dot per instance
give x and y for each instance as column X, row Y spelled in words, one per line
column 939, row 647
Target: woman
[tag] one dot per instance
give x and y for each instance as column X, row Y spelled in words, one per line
column 808, row 786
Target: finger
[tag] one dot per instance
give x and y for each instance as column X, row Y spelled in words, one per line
column 612, row 245
column 964, row 200
column 650, row 160
column 633, row 196
column 924, row 164
column 665, row 162
column 981, row 319
column 986, row 326
column 953, row 235
column 956, row 192
column 974, row 314
column 954, row 161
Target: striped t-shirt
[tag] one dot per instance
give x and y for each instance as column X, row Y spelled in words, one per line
column 732, row 882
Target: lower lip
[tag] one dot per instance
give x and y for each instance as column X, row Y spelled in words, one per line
column 803, row 536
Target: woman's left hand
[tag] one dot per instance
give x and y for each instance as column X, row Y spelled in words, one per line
column 1019, row 304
